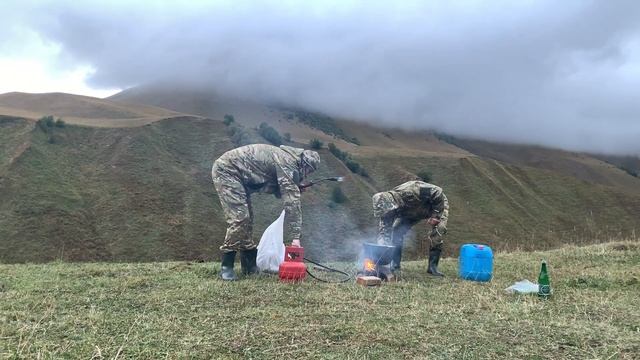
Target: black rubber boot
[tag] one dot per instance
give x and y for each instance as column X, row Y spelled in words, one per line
column 434, row 259
column 248, row 261
column 227, row 273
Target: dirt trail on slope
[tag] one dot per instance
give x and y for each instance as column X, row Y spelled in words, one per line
column 20, row 148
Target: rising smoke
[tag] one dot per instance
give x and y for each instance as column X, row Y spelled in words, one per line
column 553, row 73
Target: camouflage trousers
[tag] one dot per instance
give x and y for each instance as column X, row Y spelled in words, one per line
column 393, row 224
column 236, row 205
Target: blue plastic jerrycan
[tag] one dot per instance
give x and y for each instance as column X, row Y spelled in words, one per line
column 476, row 262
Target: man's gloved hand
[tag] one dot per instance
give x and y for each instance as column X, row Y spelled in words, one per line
column 438, row 231
column 433, row 221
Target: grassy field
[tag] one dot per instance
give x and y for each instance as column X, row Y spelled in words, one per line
column 181, row 310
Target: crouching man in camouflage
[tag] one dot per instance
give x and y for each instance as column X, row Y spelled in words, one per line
column 258, row 168
column 404, row 206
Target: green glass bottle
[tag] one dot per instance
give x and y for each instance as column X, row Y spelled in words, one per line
column 544, row 286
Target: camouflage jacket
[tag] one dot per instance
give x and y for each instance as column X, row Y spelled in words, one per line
column 418, row 199
column 273, row 170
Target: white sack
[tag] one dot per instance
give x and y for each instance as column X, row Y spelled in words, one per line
column 271, row 246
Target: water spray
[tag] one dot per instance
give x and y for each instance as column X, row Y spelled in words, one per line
column 316, row 181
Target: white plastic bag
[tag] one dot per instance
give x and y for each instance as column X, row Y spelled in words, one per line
column 522, row 287
column 271, row 246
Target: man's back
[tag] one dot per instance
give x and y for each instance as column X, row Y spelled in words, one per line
column 413, row 194
column 256, row 163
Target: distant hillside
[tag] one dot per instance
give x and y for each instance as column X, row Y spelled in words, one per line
column 138, row 193
column 287, row 120
column 81, row 110
column 628, row 164
column 588, row 167
column 145, row 192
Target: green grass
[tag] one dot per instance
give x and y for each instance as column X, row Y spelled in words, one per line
column 145, row 194
column 123, row 194
column 14, row 133
column 181, row 310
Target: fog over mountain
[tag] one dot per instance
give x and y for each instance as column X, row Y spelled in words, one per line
column 564, row 74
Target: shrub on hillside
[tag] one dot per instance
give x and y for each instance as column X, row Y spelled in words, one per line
column 337, row 152
column 48, row 121
column 45, row 123
column 338, row 196
column 315, row 144
column 446, row 138
column 228, row 119
column 425, row 175
column 344, row 156
column 287, row 137
column 270, row 134
column 239, row 135
column 352, row 165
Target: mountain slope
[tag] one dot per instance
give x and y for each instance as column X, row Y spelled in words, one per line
column 140, row 193
column 15, row 138
column 579, row 165
column 628, row 164
column 288, row 120
column 144, row 193
column 373, row 140
column 81, row 110
column 106, row 194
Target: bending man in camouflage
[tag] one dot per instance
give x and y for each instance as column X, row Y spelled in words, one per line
column 258, row 168
column 404, row 206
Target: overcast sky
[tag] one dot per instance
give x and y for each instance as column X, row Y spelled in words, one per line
column 559, row 73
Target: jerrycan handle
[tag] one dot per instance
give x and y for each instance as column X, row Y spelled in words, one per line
column 294, row 253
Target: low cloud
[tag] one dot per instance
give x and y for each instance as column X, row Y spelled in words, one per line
column 563, row 74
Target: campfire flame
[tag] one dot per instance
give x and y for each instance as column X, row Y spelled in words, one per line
column 369, row 265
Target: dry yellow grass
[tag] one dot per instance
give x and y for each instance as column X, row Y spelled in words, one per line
column 81, row 110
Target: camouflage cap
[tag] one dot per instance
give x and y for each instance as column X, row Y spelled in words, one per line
column 304, row 157
column 311, row 159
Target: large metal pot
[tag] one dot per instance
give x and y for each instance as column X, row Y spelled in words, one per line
column 379, row 254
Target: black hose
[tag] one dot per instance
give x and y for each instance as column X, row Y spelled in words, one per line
column 348, row 276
